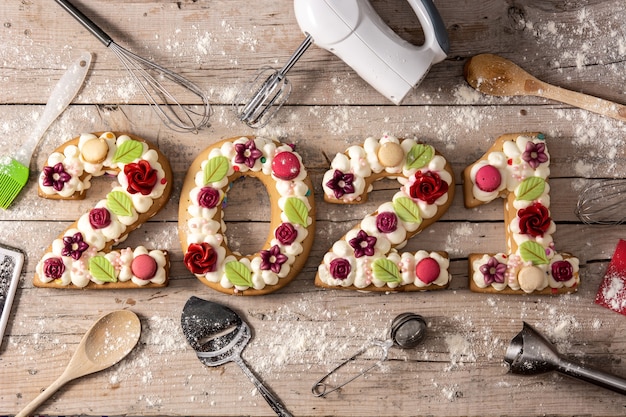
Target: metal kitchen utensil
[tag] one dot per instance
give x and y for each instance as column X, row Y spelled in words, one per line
column 530, row 354
column 107, row 342
column 11, row 262
column 407, row 331
column 603, row 203
column 150, row 78
column 352, row 30
column 497, row 76
column 219, row 335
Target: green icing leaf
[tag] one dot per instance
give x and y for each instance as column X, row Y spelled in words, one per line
column 101, row 269
column 386, row 271
column 531, row 188
column 238, row 274
column 128, row 151
column 419, row 156
column 216, row 169
column 120, row 203
column 407, row 210
column 533, row 252
column 296, row 211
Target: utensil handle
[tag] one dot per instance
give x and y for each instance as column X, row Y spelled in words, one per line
column 271, row 399
column 45, row 394
column 594, row 376
column 86, row 22
column 580, row 100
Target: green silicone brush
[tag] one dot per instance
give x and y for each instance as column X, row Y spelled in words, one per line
column 14, row 169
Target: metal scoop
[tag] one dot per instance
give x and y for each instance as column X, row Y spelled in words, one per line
column 530, row 354
column 407, row 331
column 219, row 335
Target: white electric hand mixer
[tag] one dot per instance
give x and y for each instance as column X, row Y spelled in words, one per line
column 352, row 30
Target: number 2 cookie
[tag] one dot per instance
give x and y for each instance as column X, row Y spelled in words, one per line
column 367, row 257
column 82, row 256
column 292, row 224
column 516, row 168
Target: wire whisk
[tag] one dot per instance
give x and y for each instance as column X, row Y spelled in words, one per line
column 602, row 203
column 150, row 78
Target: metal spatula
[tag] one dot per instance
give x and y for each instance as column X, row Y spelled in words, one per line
column 530, row 354
column 219, row 335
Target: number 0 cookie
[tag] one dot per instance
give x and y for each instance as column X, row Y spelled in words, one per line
column 292, row 223
column 81, row 257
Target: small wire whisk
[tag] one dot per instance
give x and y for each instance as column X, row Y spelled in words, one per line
column 150, row 78
column 602, row 203
column 259, row 100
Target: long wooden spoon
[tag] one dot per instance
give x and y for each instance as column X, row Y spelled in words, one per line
column 497, row 76
column 107, row 342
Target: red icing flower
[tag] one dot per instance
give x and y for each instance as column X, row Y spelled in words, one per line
column 99, row 218
column 55, row 176
column 340, row 268
column 562, row 271
column 534, row 220
column 141, row 177
column 208, row 197
column 286, row 233
column 428, row 187
column 53, row 268
column 201, row 258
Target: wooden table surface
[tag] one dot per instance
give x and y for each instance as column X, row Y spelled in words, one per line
column 302, row 331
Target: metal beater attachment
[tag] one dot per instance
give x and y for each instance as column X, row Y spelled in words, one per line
column 603, row 203
column 259, row 100
column 407, row 332
column 150, row 78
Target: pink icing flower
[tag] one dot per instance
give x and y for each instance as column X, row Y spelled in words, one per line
column 386, row 222
column 535, row 154
column 341, row 184
column 272, row 259
column 208, row 197
column 562, row 271
column 99, row 218
column 286, row 233
column 74, row 246
column 363, row 244
column 340, row 268
column 53, row 268
column 55, row 176
column 493, row 271
column 247, row 153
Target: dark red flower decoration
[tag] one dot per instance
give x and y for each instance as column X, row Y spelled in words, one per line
column 562, row 271
column 55, row 176
column 99, row 218
column 286, row 233
column 363, row 244
column 272, row 259
column 141, row 177
column 341, row 184
column 208, row 197
column 428, row 187
column 201, row 258
column 534, row 220
column 340, row 268
column 53, row 268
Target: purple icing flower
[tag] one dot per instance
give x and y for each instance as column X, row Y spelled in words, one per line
column 74, row 246
column 247, row 153
column 493, row 271
column 272, row 259
column 208, row 197
column 340, row 268
column 535, row 154
column 99, row 218
column 341, row 184
column 562, row 271
column 53, row 268
column 286, row 234
column 386, row 222
column 55, row 176
column 363, row 244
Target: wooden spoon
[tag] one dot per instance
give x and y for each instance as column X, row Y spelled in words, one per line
column 497, row 76
column 107, row 342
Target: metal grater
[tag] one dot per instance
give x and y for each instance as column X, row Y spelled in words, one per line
column 11, row 262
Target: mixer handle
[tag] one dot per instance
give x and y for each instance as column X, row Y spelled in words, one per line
column 427, row 9
column 86, row 22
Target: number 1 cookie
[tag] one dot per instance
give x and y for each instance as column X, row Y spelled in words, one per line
column 367, row 257
column 81, row 257
column 516, row 168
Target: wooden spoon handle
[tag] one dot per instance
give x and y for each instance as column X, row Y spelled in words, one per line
column 580, row 100
column 45, row 394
